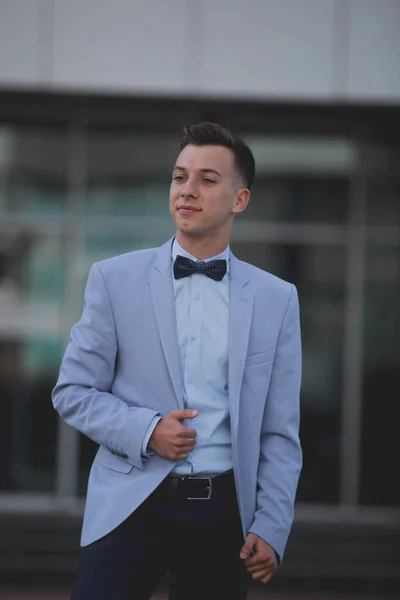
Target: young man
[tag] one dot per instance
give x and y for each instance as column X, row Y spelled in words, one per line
column 185, row 368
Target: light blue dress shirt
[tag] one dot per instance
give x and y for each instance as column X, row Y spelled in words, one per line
column 202, row 314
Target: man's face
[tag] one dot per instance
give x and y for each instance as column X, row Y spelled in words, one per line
column 205, row 191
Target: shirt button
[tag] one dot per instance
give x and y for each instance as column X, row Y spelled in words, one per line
column 197, row 296
column 193, row 338
column 190, row 381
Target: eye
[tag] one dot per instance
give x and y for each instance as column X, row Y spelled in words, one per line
column 178, row 178
column 206, row 180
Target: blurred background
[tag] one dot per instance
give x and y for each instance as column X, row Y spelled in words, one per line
column 93, row 95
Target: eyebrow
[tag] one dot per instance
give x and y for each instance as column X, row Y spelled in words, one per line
column 178, row 168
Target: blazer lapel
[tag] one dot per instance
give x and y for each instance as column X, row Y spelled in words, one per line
column 240, row 313
column 162, row 294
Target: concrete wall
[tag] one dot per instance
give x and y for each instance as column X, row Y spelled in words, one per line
column 318, row 50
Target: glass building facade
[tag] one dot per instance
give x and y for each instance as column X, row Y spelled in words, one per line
column 83, row 179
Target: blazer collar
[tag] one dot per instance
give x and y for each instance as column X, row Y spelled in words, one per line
column 240, row 316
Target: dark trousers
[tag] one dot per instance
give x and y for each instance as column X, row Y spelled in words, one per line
column 197, row 542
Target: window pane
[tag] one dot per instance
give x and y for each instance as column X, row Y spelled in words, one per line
column 301, row 179
column 126, row 208
column 32, row 284
column 129, row 173
column 33, row 166
column 381, row 378
column 28, row 420
column 31, row 289
column 318, row 274
column 383, row 193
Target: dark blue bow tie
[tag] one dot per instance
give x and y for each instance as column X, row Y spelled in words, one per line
column 183, row 267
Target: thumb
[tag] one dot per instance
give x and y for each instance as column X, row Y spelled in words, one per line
column 248, row 545
column 187, row 413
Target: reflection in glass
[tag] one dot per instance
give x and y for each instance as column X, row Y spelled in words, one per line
column 32, row 275
column 380, row 455
column 301, row 179
column 129, row 174
column 383, row 190
column 33, row 164
column 318, row 274
column 28, row 421
column 33, row 200
column 290, row 198
column 126, row 208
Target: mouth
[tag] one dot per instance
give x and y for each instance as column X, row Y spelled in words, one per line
column 187, row 210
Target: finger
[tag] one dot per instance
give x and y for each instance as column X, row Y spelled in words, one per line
column 184, row 449
column 181, row 415
column 177, row 456
column 260, row 575
column 187, row 432
column 186, row 413
column 260, row 567
column 266, row 578
column 253, row 559
column 181, row 442
column 257, row 559
column 179, row 453
column 185, row 441
column 248, row 546
column 260, row 563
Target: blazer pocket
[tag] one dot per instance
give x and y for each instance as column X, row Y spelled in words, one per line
column 106, row 459
column 259, row 359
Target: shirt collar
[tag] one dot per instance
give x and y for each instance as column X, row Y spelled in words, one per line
column 177, row 249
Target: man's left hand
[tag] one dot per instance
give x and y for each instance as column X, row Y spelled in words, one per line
column 262, row 562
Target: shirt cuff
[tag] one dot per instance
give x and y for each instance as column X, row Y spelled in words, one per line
column 146, row 453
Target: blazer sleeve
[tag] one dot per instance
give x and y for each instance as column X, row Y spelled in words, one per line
column 280, row 460
column 82, row 394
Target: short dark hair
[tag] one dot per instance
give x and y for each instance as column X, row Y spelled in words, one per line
column 211, row 134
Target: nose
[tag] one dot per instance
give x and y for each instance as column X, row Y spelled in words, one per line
column 189, row 189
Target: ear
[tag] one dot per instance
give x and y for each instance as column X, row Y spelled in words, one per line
column 241, row 201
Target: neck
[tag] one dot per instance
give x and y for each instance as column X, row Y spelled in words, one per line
column 201, row 248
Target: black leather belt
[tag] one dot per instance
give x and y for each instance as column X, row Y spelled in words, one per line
column 199, row 487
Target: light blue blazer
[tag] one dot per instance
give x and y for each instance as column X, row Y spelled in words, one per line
column 122, row 367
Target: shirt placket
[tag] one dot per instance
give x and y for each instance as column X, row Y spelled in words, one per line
column 192, row 363
column 191, row 371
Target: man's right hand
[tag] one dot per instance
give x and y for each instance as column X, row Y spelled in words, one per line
column 171, row 439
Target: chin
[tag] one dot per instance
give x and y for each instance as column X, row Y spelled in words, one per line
column 191, row 231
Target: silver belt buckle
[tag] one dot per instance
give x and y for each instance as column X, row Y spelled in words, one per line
column 209, row 488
